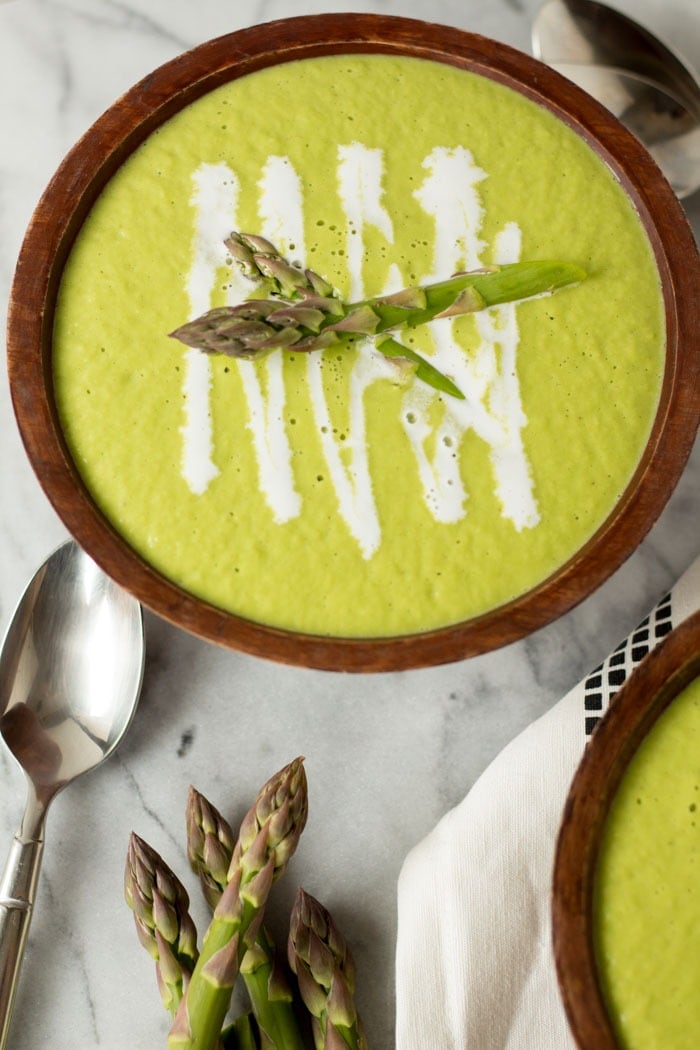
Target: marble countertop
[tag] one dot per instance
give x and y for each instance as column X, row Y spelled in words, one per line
column 387, row 755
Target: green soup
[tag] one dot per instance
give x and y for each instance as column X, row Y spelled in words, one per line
column 647, row 900
column 313, row 491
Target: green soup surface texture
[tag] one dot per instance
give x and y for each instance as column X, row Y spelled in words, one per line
column 647, row 896
column 316, row 491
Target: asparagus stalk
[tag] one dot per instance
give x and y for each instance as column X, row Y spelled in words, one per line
column 305, row 313
column 325, row 971
column 242, row 1034
column 267, row 839
column 271, row 997
column 160, row 905
column 210, row 845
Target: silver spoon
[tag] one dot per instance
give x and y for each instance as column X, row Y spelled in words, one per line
column 71, row 668
column 654, row 92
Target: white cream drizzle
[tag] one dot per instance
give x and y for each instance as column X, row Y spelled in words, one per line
column 281, row 206
column 352, row 481
column 282, row 223
column 499, row 327
column 449, row 194
column 360, row 173
column 492, row 406
column 214, row 198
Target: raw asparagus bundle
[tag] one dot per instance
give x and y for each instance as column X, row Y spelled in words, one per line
column 267, row 839
column 325, row 972
column 160, row 905
column 236, row 877
column 210, row 845
column 304, row 313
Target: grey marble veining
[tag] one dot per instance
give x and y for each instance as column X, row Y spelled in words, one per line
column 387, row 755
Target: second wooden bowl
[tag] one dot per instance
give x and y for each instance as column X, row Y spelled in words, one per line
column 634, row 711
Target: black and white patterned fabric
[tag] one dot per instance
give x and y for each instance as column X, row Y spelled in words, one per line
column 602, row 683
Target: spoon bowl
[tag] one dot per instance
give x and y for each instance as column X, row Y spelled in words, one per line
column 670, row 132
column 640, row 79
column 71, row 668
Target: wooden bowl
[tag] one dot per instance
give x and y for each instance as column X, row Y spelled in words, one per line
column 646, row 694
column 97, row 156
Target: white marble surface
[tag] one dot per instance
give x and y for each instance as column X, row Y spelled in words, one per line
column 386, row 755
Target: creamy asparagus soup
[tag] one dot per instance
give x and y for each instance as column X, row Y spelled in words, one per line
column 647, row 890
column 326, row 491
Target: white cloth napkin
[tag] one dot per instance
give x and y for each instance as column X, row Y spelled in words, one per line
column 474, row 965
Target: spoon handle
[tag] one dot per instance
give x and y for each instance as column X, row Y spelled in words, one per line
column 17, row 891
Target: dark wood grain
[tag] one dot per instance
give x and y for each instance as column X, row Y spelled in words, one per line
column 647, row 693
column 96, row 157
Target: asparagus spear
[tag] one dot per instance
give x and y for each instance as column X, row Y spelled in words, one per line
column 210, row 845
column 160, row 905
column 325, row 971
column 423, row 369
column 267, row 839
column 304, row 312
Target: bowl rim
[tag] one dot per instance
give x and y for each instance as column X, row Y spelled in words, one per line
column 646, row 694
column 103, row 148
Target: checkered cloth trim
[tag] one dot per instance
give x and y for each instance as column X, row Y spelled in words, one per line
column 602, row 684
